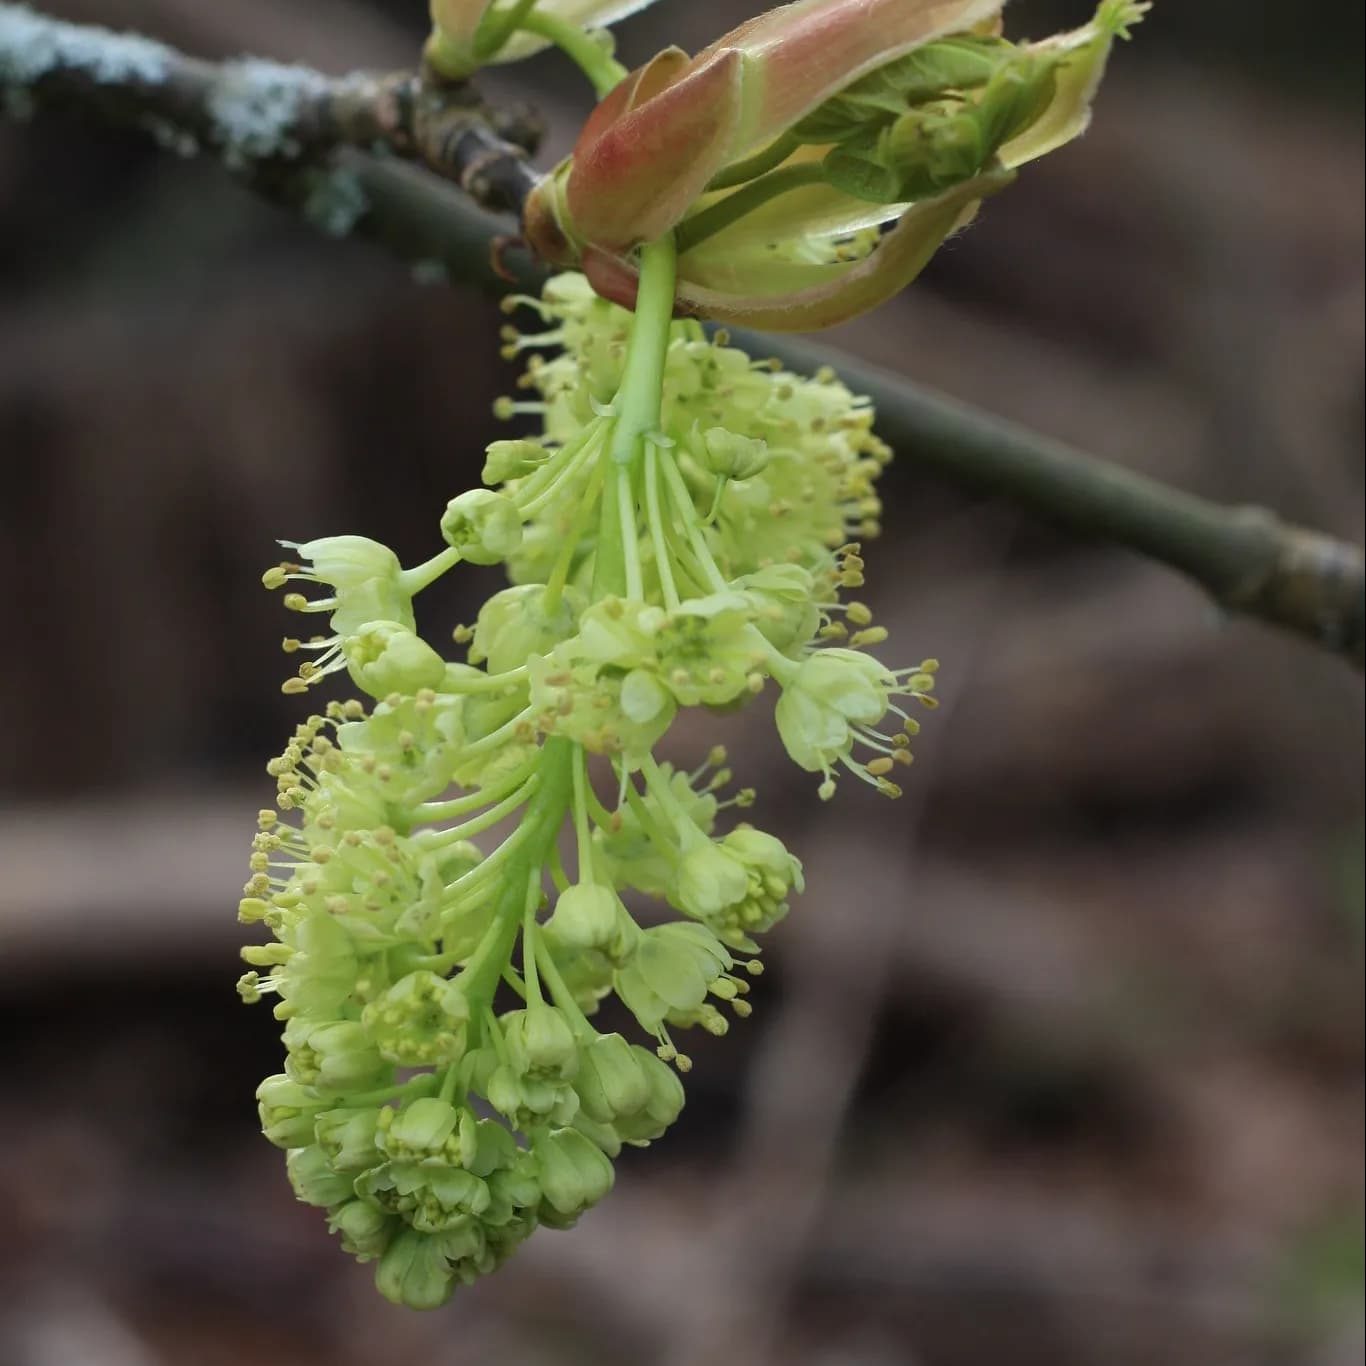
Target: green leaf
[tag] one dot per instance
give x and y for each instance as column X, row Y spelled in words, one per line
column 928, row 73
column 858, row 169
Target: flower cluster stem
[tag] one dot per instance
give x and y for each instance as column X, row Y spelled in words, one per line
column 642, row 384
column 544, row 817
column 751, row 168
column 735, row 206
column 601, row 68
column 687, row 519
column 555, row 584
column 655, row 517
column 638, row 403
column 498, row 26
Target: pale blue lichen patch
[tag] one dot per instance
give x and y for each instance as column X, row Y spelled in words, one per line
column 336, row 202
column 33, row 46
column 255, row 106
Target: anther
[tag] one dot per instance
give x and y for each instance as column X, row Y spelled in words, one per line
column 873, row 635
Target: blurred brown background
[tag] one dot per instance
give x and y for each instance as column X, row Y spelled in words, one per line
column 1059, row 1060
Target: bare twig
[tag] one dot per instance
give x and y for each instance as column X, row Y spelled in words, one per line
column 265, row 120
column 308, row 142
column 1246, row 558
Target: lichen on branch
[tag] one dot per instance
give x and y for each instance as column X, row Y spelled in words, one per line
column 264, row 119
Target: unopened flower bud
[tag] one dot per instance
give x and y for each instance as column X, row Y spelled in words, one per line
column 347, row 1136
column 364, row 1230
column 604, row 1136
column 586, row 916
column 541, row 1043
column 503, row 1090
column 574, row 1172
column 610, row 1083
column 384, row 657
column 419, row 1130
column 288, row 1110
column 314, row 1180
column 333, row 1056
column 415, row 1272
column 484, row 526
column 485, row 1145
column 734, row 456
column 505, row 460
column 663, row 1103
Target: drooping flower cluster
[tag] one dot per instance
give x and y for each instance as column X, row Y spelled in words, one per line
column 679, row 531
column 445, row 1088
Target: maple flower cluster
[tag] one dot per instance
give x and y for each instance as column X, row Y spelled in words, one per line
column 461, row 868
column 445, row 1089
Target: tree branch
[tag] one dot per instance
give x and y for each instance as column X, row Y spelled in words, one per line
column 309, row 142
column 1247, row 559
column 266, row 121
